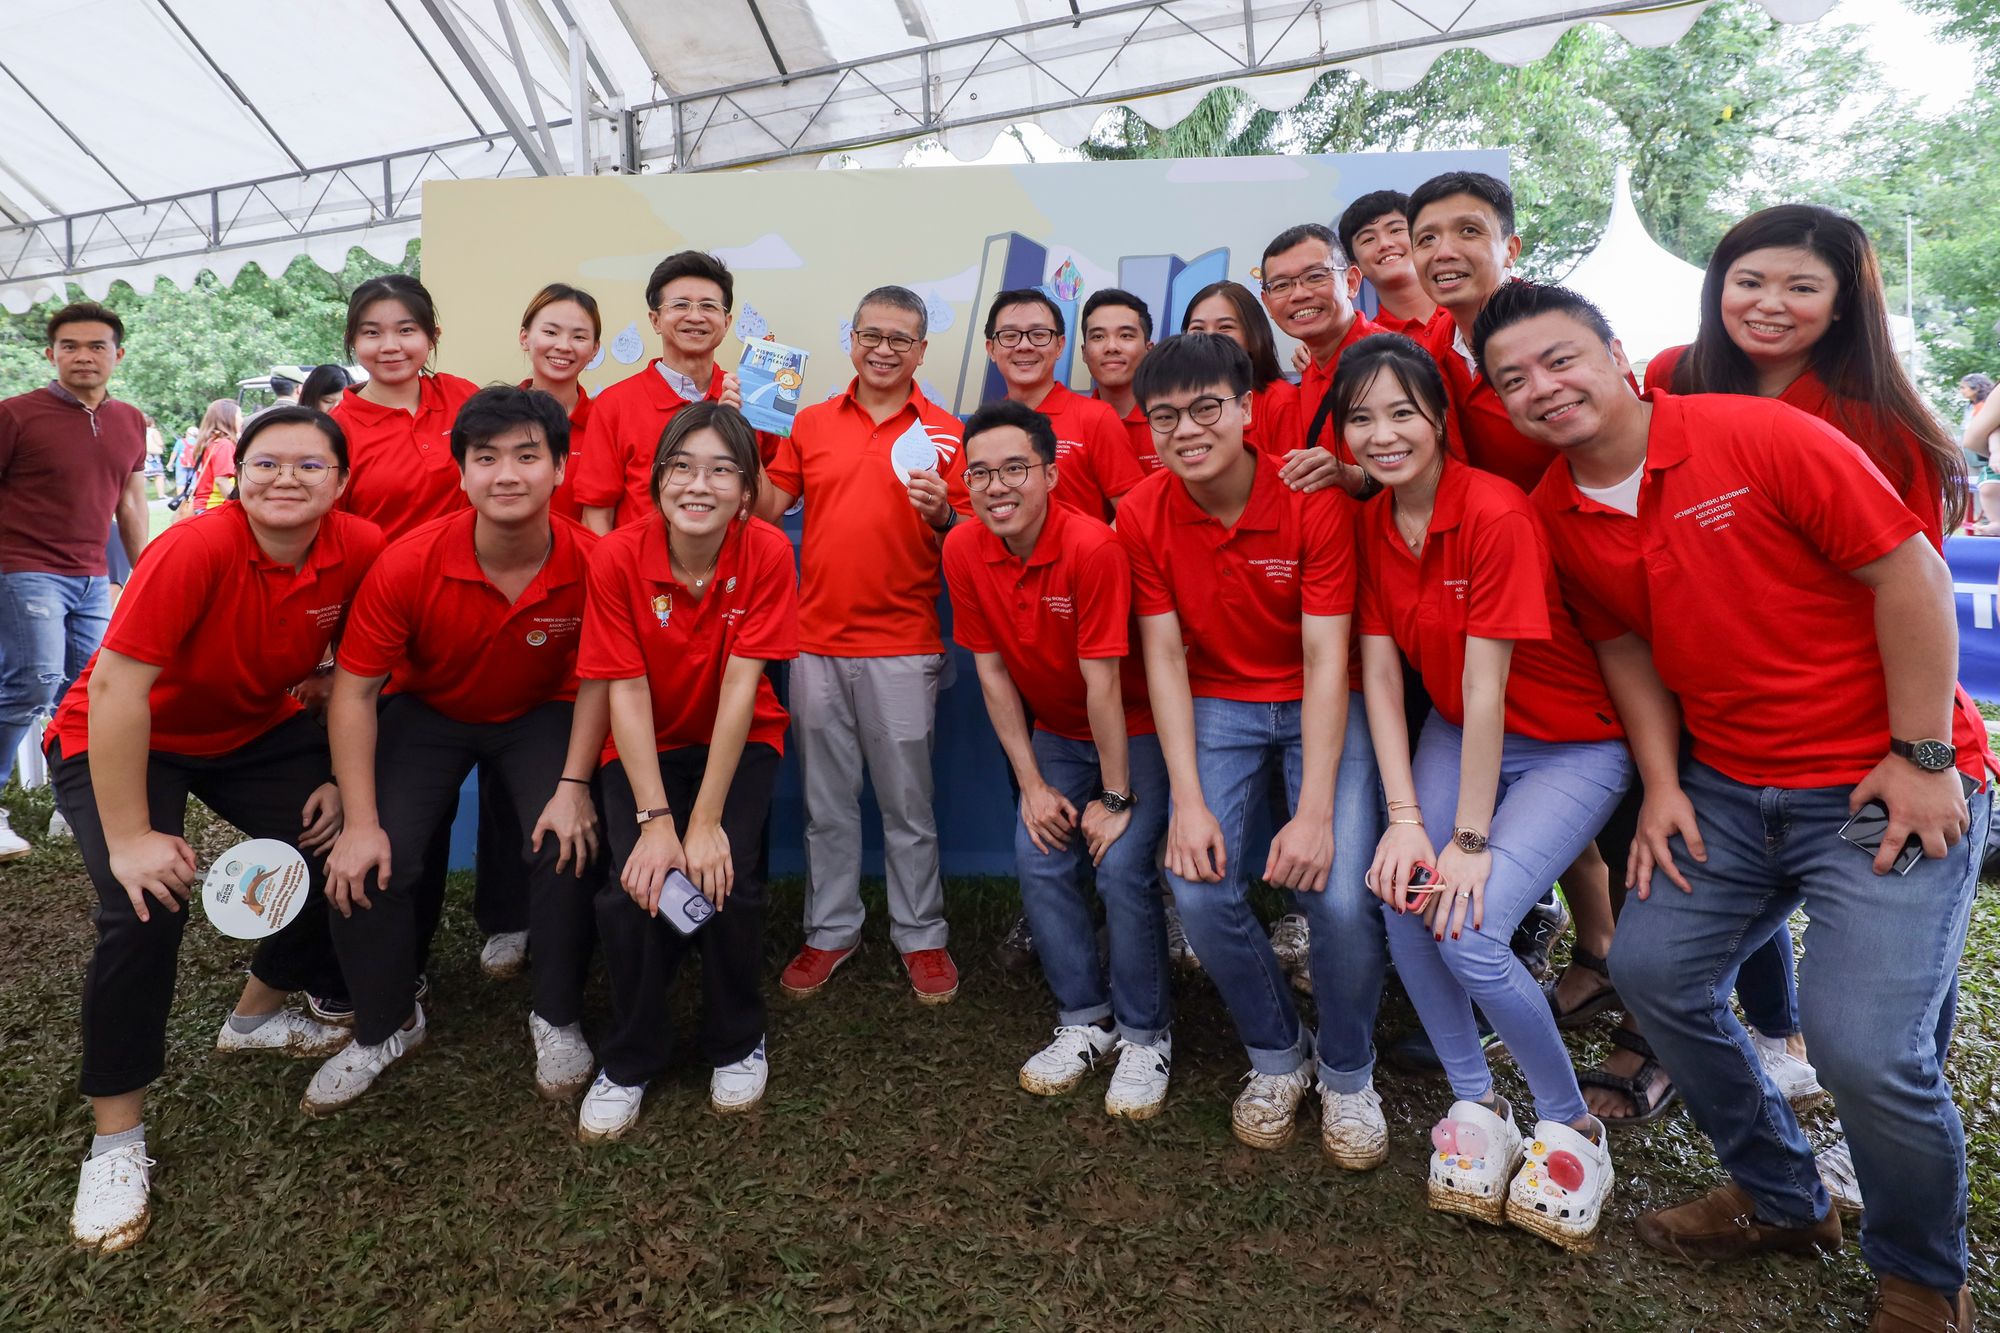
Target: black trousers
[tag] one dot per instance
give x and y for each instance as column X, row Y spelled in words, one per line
column 500, row 889
column 422, row 758
column 261, row 788
column 642, row 953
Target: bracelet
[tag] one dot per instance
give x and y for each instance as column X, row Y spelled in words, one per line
column 1418, row 822
column 1402, row 805
column 581, row 782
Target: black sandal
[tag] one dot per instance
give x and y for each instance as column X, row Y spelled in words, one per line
column 1635, row 1089
column 1602, row 1002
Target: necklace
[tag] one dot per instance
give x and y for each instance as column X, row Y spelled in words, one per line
column 686, row 568
column 1415, row 543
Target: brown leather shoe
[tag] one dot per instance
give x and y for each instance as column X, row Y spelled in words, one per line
column 1722, row 1224
column 1905, row 1307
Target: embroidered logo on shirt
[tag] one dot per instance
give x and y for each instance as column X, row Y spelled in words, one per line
column 326, row 617
column 1059, row 606
column 1715, row 512
column 536, row 638
column 663, row 608
column 1458, row 587
column 1277, row 569
column 731, row 585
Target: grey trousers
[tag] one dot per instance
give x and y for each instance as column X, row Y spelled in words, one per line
column 881, row 711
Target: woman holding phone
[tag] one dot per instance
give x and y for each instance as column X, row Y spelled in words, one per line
column 1519, row 764
column 684, row 611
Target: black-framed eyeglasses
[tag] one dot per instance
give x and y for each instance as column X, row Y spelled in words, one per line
column 899, row 343
column 1203, row 411
column 1312, row 279
column 310, row 472
column 1038, row 337
column 1013, row 476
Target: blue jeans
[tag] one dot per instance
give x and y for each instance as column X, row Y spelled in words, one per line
column 1881, row 955
column 1553, row 798
column 1234, row 742
column 50, row 624
column 1055, row 897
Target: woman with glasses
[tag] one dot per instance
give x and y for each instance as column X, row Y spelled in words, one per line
column 684, row 611
column 188, row 697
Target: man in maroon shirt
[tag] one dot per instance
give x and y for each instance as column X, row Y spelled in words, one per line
column 70, row 457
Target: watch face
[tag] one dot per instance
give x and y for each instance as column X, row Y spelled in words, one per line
column 1933, row 755
column 1469, row 842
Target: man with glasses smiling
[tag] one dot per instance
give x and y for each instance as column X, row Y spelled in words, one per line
column 1024, row 336
column 1309, row 288
column 880, row 470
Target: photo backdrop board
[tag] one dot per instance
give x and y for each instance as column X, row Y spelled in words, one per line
column 804, row 245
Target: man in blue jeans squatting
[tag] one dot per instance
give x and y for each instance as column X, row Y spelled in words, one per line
column 1805, row 628
column 71, row 457
column 1244, row 590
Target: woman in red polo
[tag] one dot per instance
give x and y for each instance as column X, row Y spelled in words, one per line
column 684, row 611
column 1518, row 766
column 188, row 697
column 560, row 332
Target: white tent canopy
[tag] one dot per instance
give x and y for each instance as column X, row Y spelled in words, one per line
column 1651, row 296
column 162, row 137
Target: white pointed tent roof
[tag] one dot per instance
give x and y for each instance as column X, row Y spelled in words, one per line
column 150, row 137
column 1651, row 296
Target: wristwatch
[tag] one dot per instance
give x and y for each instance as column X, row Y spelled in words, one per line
column 1117, row 802
column 1931, row 756
column 1470, row 841
column 646, row 816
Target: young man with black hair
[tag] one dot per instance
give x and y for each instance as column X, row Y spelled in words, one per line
column 1244, row 589
column 72, row 458
column 688, row 298
column 1042, row 597
column 1374, row 231
column 1814, row 547
column 473, row 621
column 1025, row 339
column 1117, row 334
column 1309, row 287
column 284, row 391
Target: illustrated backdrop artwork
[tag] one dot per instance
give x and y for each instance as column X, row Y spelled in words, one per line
column 804, row 245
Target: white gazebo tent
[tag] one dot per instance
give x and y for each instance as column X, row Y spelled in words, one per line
column 1651, row 296
column 164, row 137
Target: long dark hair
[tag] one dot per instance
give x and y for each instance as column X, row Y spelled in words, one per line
column 1398, row 355
column 1855, row 359
column 1258, row 342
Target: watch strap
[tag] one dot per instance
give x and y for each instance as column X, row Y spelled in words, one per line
column 647, row 816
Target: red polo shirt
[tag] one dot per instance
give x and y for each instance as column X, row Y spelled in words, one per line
column 1419, row 329
column 640, row 621
column 1139, row 432
column 1070, row 600
column 1478, row 427
column 1888, row 445
column 1240, row 592
column 230, row 629
column 1274, row 413
column 1485, row 572
column 626, row 422
column 1315, row 382
column 63, row 467
column 1093, row 453
column 1599, row 563
column 400, row 472
column 429, row 619
column 868, row 585
column 564, row 501
column 1751, row 516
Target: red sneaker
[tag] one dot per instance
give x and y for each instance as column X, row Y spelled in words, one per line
column 812, row 969
column 933, row 975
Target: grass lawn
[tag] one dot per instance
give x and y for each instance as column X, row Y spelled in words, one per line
column 895, row 1176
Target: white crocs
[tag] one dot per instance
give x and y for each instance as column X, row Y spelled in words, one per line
column 1474, row 1153
column 1560, row 1190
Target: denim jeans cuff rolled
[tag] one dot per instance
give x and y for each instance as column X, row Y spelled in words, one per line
column 1283, row 1062
column 1352, row 1081
column 1075, row 1018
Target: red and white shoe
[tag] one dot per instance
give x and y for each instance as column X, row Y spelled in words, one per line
column 933, row 976
column 1474, row 1152
column 1559, row 1192
column 811, row 970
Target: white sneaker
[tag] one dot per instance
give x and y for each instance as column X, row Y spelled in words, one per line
column 12, row 844
column 1836, row 1173
column 563, row 1060
column 1179, row 952
column 1560, row 1190
column 1291, row 940
column 1139, row 1084
column 738, row 1087
column 1475, row 1151
column 1798, row 1082
column 609, row 1109
column 1061, row 1065
column 287, row 1032
column 59, row 830
column 1352, row 1132
column 1267, row 1110
column 113, row 1207
column 505, row 954
column 354, row 1069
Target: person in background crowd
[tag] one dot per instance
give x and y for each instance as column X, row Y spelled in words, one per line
column 880, row 469
column 284, row 391
column 72, row 459
column 1309, row 287
column 686, row 610
column 1518, row 766
column 560, row 333
column 1041, row 595
column 187, row 458
column 1024, row 339
column 1984, row 521
column 1233, row 311
column 215, row 476
column 689, row 295
column 324, row 386
column 1374, row 232
column 475, row 619
column 1815, row 548
column 179, row 703
column 156, row 468
column 1244, row 591
column 1117, row 334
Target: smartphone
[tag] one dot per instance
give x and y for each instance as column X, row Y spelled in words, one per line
column 1865, row 829
column 682, row 905
column 1423, row 883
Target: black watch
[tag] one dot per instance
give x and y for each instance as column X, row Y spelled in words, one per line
column 1930, row 756
column 1117, row 802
